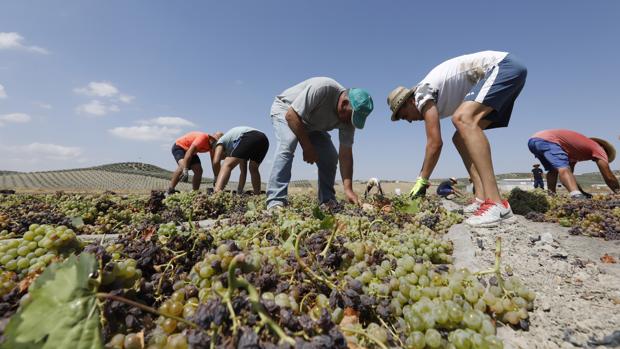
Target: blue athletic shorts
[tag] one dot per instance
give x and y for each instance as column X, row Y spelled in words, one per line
column 179, row 154
column 499, row 89
column 551, row 155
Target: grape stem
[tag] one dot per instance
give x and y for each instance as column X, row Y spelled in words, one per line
column 365, row 334
column 389, row 328
column 168, row 265
column 105, row 295
column 338, row 226
column 305, row 267
column 497, row 267
column 254, row 298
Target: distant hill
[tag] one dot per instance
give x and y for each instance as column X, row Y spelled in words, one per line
column 124, row 176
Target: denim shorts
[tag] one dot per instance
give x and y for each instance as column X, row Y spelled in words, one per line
column 551, row 155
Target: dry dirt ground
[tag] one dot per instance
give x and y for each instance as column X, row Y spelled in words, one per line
column 578, row 296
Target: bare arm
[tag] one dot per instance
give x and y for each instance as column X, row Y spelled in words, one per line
column 345, row 156
column 188, row 156
column 608, row 175
column 243, row 172
column 294, row 122
column 217, row 156
column 433, row 139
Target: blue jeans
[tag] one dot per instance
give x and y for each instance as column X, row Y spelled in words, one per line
column 277, row 187
column 538, row 183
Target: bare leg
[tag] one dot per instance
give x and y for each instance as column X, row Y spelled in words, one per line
column 176, row 175
column 469, row 165
column 197, row 169
column 568, row 179
column 466, row 120
column 255, row 175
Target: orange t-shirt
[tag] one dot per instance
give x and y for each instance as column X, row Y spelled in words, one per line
column 199, row 139
column 577, row 146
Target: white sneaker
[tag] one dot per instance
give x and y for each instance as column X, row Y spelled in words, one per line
column 490, row 214
column 473, row 207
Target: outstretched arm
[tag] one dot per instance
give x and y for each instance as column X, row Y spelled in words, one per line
column 345, row 155
column 608, row 175
column 217, row 155
column 295, row 124
column 433, row 139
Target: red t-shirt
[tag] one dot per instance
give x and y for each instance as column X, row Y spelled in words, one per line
column 577, row 146
column 199, row 139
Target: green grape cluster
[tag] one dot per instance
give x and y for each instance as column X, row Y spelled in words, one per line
column 4, row 221
column 39, row 246
column 167, row 229
column 5, row 234
column 121, row 273
column 77, row 206
column 7, row 282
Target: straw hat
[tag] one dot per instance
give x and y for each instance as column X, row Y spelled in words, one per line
column 609, row 149
column 397, row 98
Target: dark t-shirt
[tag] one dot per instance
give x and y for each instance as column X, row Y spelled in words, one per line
column 445, row 185
column 537, row 173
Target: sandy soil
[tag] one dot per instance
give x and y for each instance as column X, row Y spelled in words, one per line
column 578, row 296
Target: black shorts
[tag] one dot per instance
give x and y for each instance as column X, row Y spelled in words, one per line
column 252, row 145
column 179, row 154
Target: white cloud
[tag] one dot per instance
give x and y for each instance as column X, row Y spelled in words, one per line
column 146, row 132
column 126, row 98
column 43, row 105
column 2, row 92
column 96, row 108
column 14, row 41
column 14, row 118
column 170, row 121
column 43, row 151
column 98, row 89
column 108, row 96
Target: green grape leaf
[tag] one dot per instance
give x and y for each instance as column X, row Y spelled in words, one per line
column 63, row 312
column 412, row 206
column 317, row 213
column 77, row 221
column 328, row 222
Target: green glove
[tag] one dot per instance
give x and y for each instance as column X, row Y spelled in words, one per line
column 419, row 189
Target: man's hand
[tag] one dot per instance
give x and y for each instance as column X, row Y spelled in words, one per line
column 352, row 197
column 184, row 176
column 310, row 155
column 419, row 189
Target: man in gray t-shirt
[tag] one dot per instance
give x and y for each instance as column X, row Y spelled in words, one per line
column 305, row 113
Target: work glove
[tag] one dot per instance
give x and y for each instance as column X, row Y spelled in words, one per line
column 419, row 189
column 185, row 176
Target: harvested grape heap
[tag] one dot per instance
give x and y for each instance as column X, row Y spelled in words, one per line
column 377, row 276
column 599, row 216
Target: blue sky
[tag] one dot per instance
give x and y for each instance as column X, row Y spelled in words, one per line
column 85, row 83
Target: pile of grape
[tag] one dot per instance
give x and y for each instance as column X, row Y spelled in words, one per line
column 39, row 246
column 599, row 216
column 7, row 282
column 328, row 277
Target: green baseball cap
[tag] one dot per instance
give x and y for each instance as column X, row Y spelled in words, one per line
column 362, row 106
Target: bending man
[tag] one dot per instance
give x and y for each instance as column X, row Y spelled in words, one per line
column 559, row 151
column 236, row 147
column 479, row 91
column 303, row 114
column 185, row 151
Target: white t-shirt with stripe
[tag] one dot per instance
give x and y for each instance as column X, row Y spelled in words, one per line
column 448, row 83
